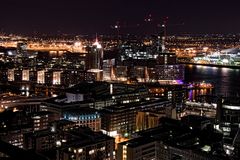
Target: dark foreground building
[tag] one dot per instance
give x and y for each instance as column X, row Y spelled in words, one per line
column 175, row 140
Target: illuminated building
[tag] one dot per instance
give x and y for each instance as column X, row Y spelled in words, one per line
column 167, row 69
column 95, row 56
column 19, row 103
column 13, row 126
column 56, row 78
column 16, row 122
column 174, row 139
column 41, row 77
column 200, row 109
column 228, row 113
column 141, row 63
column 72, row 77
column 138, row 148
column 98, row 73
column 8, row 151
column 96, row 95
column 10, row 74
column 73, row 61
column 229, row 57
column 146, row 119
column 174, row 91
column 143, row 73
column 67, row 141
column 41, row 140
column 42, row 119
column 25, row 75
column 77, row 47
column 228, row 110
column 121, row 119
column 108, row 70
column 121, row 73
column 21, row 48
column 116, row 99
column 85, row 117
column 86, row 144
column 138, row 72
column 95, row 60
column 46, row 139
column 167, row 58
column 50, row 77
column 134, row 49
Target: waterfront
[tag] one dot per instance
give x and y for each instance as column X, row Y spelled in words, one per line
column 225, row 80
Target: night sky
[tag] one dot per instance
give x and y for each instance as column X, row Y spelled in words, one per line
column 97, row 16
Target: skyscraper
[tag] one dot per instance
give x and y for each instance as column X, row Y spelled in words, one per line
column 95, row 60
column 95, row 56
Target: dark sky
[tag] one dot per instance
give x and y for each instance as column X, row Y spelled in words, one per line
column 91, row 16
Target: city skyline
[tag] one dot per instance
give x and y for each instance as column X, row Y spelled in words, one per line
column 119, row 80
column 89, row 17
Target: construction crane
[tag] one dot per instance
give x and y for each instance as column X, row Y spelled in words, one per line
column 148, row 20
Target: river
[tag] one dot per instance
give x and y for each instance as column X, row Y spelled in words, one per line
column 225, row 80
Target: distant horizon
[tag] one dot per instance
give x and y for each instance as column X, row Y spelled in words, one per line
column 113, row 35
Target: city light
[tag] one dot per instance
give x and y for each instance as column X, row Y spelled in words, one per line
column 119, row 81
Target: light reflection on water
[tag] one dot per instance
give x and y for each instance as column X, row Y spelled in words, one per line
column 193, row 93
column 225, row 80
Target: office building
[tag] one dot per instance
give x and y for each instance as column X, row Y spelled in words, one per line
column 86, row 144
column 149, row 119
column 174, row 139
column 138, row 148
column 121, row 120
column 85, row 117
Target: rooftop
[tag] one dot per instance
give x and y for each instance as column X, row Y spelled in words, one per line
column 179, row 135
column 16, row 153
column 138, row 142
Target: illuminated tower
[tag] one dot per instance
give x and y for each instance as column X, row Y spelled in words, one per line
column 95, row 59
column 95, row 56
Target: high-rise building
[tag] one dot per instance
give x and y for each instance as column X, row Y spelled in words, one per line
column 95, row 60
column 95, row 56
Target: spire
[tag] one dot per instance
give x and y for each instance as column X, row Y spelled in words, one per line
column 96, row 43
column 96, row 38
